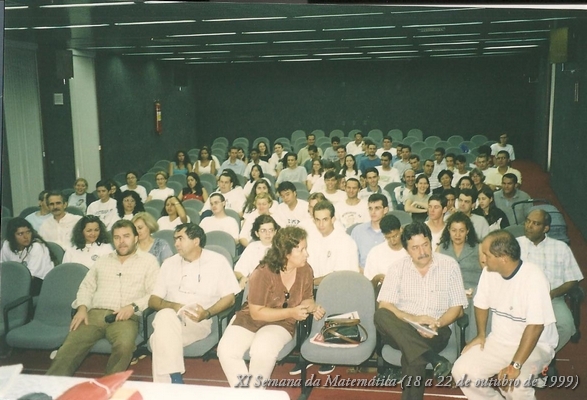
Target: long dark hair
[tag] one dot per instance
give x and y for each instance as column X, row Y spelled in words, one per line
column 250, row 203
column 198, row 189
column 139, row 206
column 186, row 158
column 283, row 243
column 261, row 174
column 19, row 222
column 77, row 237
column 459, row 217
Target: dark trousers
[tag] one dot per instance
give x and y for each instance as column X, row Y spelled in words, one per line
column 402, row 336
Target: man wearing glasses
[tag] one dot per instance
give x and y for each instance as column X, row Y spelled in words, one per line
column 203, row 282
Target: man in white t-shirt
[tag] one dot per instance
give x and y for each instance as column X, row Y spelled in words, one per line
column 503, row 145
column 275, row 161
column 353, row 210
column 372, row 177
column 292, row 210
column 387, row 173
column 523, row 331
column 219, row 221
column 80, row 198
column 387, row 143
column 232, row 192
column 255, row 160
column 355, row 147
column 331, row 191
column 293, row 172
column 383, row 256
column 105, row 208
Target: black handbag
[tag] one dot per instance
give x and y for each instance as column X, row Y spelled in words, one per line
column 343, row 331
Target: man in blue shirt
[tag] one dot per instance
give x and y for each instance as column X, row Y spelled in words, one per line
column 370, row 160
column 367, row 235
column 233, row 163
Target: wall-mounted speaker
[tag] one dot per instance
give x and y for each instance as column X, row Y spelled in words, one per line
column 64, row 64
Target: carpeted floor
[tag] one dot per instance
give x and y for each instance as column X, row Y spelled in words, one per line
column 571, row 361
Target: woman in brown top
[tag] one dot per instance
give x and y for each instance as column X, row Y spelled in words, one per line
column 280, row 293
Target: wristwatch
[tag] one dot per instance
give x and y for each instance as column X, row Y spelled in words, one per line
column 135, row 307
column 516, row 365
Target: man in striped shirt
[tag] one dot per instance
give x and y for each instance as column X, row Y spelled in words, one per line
column 425, row 288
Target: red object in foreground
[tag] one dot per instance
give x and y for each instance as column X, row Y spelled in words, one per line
column 102, row 389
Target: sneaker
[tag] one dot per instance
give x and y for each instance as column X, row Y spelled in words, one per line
column 297, row 369
column 326, row 369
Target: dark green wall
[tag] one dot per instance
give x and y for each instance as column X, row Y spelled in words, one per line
column 441, row 97
column 126, row 91
column 569, row 163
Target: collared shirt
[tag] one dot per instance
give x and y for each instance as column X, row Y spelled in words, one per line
column 401, row 166
column 365, row 193
column 335, row 252
column 203, row 281
column 432, row 294
column 555, row 258
column 59, row 232
column 505, row 205
column 366, row 238
column 111, row 285
column 493, row 176
column 303, row 155
column 353, row 148
column 238, row 167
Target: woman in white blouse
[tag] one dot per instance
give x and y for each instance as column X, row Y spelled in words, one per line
column 172, row 215
column 24, row 245
column 89, row 241
column 263, row 229
column 162, row 192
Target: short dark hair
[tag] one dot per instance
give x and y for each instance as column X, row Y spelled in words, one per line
column 484, row 149
column 313, row 147
column 386, row 154
column 354, row 180
column 55, row 193
column 43, row 194
column 372, row 169
column 511, row 176
column 469, row 193
column 503, row 243
column 505, row 153
column 310, row 134
column 124, row 223
column 103, row 183
column 261, row 220
column 375, row 197
column 436, row 197
column 324, row 205
column 193, row 231
column 445, row 172
column 335, row 139
column 451, row 155
column 440, row 150
column 389, row 223
column 387, row 138
column 217, row 194
column 294, row 155
column 286, row 185
column 414, row 229
column 461, row 158
column 330, row 174
column 414, row 156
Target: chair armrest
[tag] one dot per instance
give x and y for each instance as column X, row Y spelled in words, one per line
column 226, row 315
column 303, row 329
column 462, row 323
column 11, row 306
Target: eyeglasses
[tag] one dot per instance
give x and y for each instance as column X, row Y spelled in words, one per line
column 286, row 294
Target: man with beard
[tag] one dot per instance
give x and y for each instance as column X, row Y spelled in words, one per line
column 116, row 288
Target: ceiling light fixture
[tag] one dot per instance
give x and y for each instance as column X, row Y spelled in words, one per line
column 349, row 58
column 203, row 34
column 204, row 52
column 451, row 24
column 184, row 21
column 517, row 32
column 392, row 52
column 374, row 38
column 511, row 21
column 460, row 49
column 305, row 41
column 339, row 54
column 380, row 46
column 284, row 55
column 454, row 55
column 234, row 43
column 301, row 59
column 357, row 28
column 242, row 19
column 338, row 15
column 521, row 46
column 112, row 3
column 15, row 7
column 148, row 54
column 448, row 43
column 109, row 47
column 274, row 32
column 69, row 26
column 446, row 35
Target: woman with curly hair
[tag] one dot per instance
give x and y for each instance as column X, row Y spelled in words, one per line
column 130, row 203
column 280, row 293
column 89, row 240
column 459, row 241
column 26, row 246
